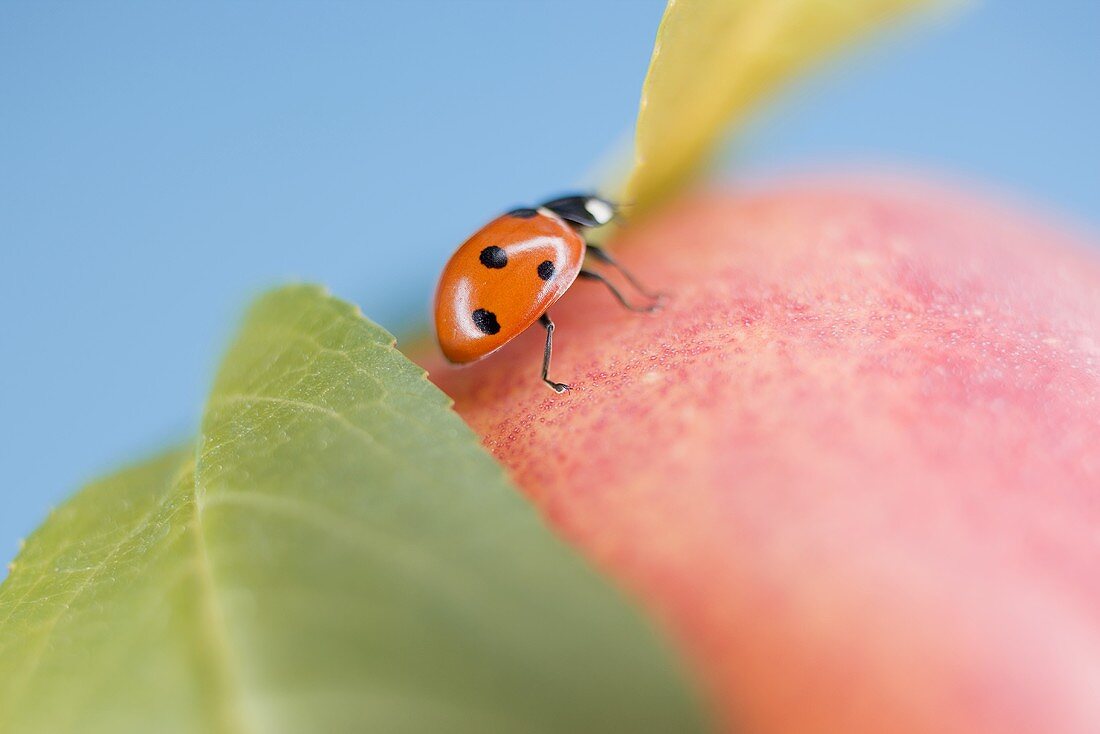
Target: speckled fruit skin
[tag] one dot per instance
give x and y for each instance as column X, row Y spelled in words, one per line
column 853, row 467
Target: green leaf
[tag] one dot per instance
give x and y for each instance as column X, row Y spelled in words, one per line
column 337, row 555
column 714, row 60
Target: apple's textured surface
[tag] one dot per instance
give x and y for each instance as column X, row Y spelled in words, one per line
column 853, row 464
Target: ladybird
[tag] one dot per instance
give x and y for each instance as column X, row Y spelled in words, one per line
column 505, row 277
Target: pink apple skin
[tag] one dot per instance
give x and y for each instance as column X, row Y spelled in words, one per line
column 854, row 465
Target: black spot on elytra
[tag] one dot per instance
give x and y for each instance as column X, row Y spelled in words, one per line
column 546, row 270
column 493, row 257
column 523, row 213
column 486, row 321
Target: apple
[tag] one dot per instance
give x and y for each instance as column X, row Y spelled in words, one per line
column 852, row 467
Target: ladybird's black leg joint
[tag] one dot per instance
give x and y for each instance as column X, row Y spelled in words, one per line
column 598, row 253
column 618, row 295
column 557, row 387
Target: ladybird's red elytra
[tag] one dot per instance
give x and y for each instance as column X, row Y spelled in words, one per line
column 505, row 277
column 497, row 276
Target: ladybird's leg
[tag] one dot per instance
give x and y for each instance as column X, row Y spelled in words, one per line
column 558, row 387
column 600, row 254
column 618, row 295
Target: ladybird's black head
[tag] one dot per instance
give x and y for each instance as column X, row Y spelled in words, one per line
column 584, row 210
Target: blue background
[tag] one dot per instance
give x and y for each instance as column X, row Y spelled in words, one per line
column 160, row 163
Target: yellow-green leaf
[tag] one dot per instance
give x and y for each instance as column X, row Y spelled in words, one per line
column 713, row 60
column 337, row 554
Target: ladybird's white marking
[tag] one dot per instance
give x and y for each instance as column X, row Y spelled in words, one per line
column 600, row 210
column 463, row 304
column 554, row 242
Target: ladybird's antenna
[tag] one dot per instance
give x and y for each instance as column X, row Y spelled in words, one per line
column 621, row 210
